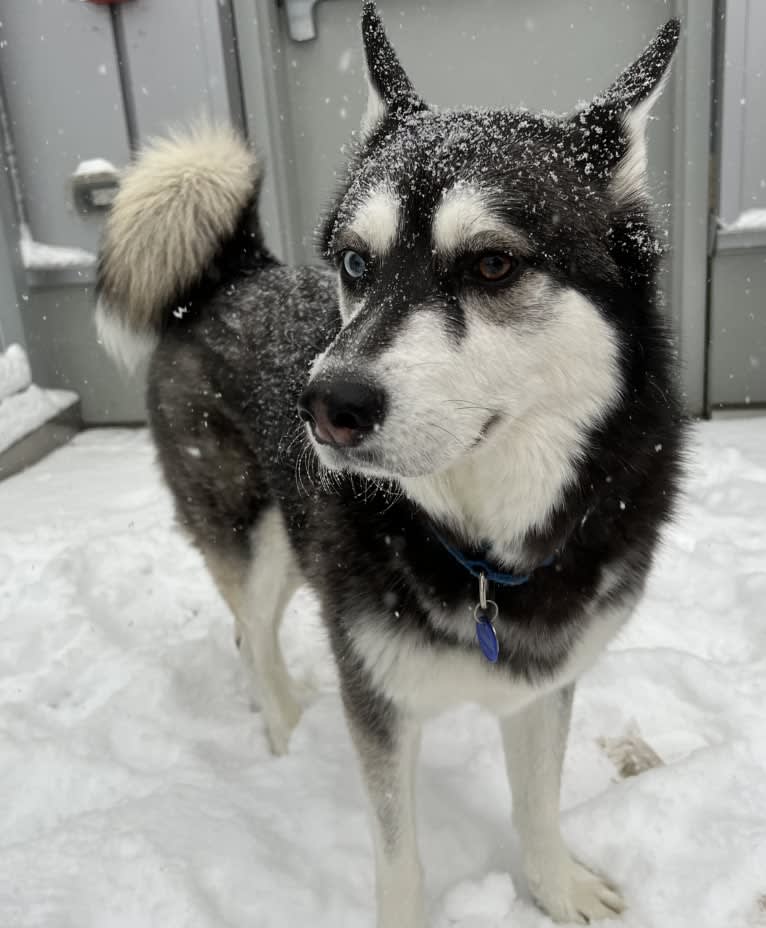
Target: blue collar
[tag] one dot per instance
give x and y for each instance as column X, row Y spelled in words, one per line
column 478, row 567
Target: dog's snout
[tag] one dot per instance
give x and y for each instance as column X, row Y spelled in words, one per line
column 342, row 412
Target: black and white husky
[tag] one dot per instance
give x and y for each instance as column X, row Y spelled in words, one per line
column 490, row 432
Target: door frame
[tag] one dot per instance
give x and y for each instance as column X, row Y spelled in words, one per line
column 267, row 116
column 693, row 206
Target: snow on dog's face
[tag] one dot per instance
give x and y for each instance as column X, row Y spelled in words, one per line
column 488, row 266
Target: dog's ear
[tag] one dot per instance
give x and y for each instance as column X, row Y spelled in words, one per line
column 615, row 122
column 390, row 90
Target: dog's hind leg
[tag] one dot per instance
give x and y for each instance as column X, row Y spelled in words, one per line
column 257, row 591
column 535, row 743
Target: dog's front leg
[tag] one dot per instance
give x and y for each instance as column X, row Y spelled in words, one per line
column 535, row 743
column 387, row 744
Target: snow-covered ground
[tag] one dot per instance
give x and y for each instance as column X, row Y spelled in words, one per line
column 138, row 790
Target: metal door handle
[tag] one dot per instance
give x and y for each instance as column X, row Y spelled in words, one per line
column 95, row 184
column 300, row 19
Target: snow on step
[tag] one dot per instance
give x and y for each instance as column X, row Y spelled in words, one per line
column 14, row 371
column 750, row 219
column 36, row 256
column 24, row 412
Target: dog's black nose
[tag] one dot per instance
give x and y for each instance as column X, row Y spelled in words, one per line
column 342, row 412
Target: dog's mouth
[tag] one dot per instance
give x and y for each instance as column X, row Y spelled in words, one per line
column 359, row 458
column 370, row 457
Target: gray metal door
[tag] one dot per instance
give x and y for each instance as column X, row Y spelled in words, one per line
column 737, row 359
column 83, row 82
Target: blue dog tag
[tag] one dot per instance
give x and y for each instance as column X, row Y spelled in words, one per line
column 485, row 635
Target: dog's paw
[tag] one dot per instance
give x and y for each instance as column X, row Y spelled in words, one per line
column 571, row 893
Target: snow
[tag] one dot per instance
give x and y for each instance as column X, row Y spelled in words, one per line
column 749, row 219
column 38, row 257
column 14, row 371
column 139, row 790
column 345, row 60
column 26, row 411
column 94, row 166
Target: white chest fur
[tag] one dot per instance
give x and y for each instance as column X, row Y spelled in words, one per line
column 425, row 680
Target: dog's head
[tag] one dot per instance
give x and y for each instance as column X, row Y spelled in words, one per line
column 487, row 263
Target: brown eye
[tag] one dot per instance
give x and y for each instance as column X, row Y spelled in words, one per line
column 495, row 267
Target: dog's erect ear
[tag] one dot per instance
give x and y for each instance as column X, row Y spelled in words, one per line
column 639, row 85
column 626, row 105
column 390, row 90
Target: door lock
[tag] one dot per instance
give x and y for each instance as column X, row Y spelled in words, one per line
column 300, row 19
column 95, row 184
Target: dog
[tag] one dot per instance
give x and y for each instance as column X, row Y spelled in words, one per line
column 465, row 434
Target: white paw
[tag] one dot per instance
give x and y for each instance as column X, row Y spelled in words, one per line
column 571, row 893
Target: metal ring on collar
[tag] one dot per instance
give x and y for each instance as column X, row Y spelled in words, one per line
column 489, row 612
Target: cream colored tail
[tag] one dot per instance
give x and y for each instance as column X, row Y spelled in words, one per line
column 179, row 203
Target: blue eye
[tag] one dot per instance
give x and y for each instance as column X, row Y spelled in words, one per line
column 354, row 264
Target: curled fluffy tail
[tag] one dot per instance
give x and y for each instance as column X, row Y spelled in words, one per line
column 182, row 201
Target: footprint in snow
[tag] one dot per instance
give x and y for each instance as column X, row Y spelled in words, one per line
column 629, row 753
column 481, row 903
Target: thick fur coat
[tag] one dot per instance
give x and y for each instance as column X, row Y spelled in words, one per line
column 483, row 367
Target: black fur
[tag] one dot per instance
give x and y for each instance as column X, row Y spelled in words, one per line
column 386, row 74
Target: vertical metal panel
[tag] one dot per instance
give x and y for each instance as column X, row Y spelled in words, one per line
column 231, row 61
column 11, row 328
column 737, row 332
column 738, row 328
column 732, row 112
column 691, row 195
column 743, row 136
column 267, row 114
column 63, row 351
column 754, row 167
column 12, row 283
column 176, row 63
